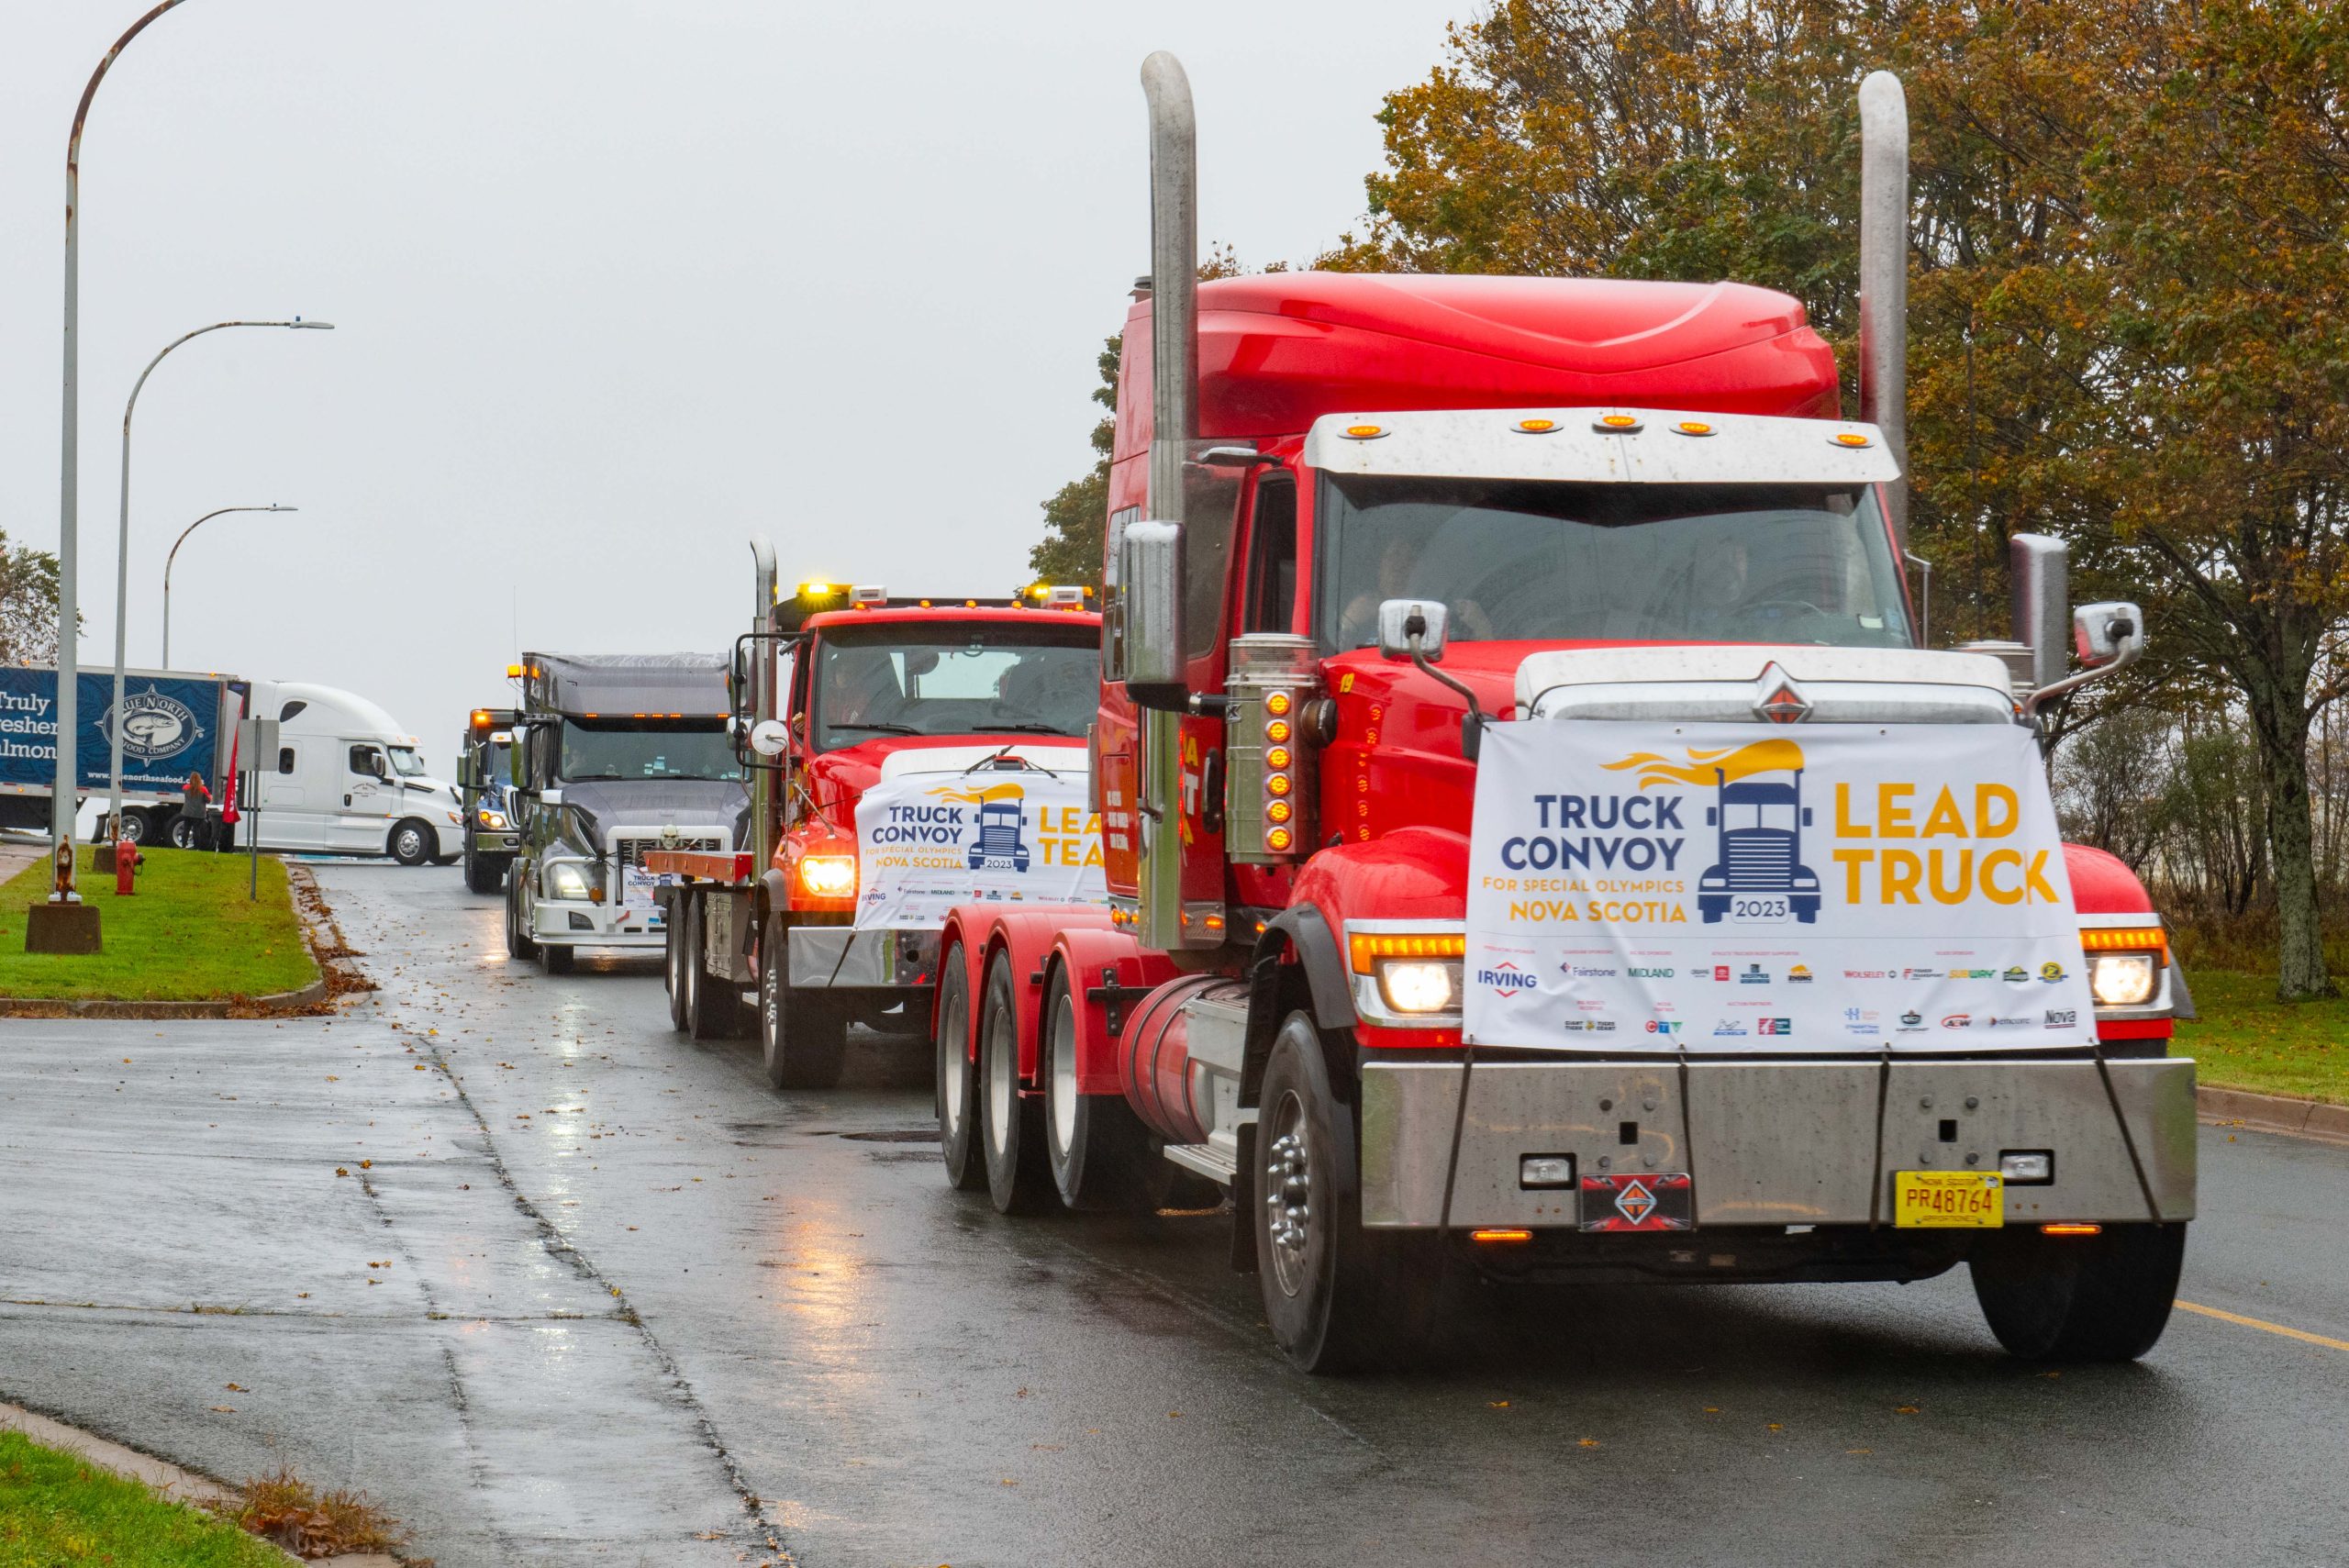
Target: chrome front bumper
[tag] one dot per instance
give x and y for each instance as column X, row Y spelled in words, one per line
column 1772, row 1143
column 577, row 923
column 872, row 959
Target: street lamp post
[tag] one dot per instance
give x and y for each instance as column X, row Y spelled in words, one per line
column 57, row 926
column 175, row 555
column 122, row 552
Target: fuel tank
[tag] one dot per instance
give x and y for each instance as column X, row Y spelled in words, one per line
column 1172, row 1096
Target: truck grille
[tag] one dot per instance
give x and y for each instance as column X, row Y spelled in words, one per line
column 629, row 851
column 1759, row 862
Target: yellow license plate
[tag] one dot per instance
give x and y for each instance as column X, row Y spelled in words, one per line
column 1948, row 1199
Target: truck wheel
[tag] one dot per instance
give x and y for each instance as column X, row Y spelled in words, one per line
column 1339, row 1299
column 673, row 979
column 482, row 873
column 1011, row 1129
column 412, row 842
column 183, row 833
column 802, row 1034
column 714, row 1007
column 558, row 959
column 958, row 1086
column 519, row 944
column 136, row 826
column 1094, row 1144
column 2078, row 1298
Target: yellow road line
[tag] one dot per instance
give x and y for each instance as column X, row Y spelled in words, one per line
column 2271, row 1328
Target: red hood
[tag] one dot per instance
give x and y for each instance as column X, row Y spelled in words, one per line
column 838, row 779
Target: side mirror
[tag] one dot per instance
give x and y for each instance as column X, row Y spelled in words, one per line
column 2108, row 634
column 1150, row 584
column 464, row 769
column 550, row 798
column 769, row 737
column 1412, row 626
column 2041, row 572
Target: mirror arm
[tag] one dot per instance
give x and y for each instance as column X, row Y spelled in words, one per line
column 2129, row 654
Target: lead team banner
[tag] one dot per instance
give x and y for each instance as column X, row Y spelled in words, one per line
column 1832, row 888
column 927, row 842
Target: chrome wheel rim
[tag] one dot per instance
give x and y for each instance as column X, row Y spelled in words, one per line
column 1064, row 1039
column 1288, row 1195
column 1001, row 1067
column 410, row 844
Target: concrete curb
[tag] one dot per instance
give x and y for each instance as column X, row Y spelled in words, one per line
column 2274, row 1113
column 159, row 1475
column 323, row 937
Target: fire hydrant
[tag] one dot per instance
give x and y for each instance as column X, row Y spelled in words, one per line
column 126, row 866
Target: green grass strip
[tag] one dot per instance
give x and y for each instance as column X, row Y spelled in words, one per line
column 190, row 933
column 2247, row 1039
column 57, row 1510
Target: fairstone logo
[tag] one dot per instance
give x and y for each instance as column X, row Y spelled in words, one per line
column 1586, row 972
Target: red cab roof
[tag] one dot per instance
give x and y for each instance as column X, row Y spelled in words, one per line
column 1279, row 349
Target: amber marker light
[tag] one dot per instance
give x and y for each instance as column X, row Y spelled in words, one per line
column 1276, row 758
column 1850, row 438
column 1365, row 432
column 1536, row 427
column 513, row 671
column 1279, row 811
column 2071, row 1228
column 1617, row 424
column 2125, row 939
column 1693, row 427
column 1278, row 839
column 1504, row 1236
column 1277, row 784
column 1368, row 947
column 1277, row 732
column 1278, row 703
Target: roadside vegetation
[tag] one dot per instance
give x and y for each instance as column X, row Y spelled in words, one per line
column 190, row 933
column 55, row 1509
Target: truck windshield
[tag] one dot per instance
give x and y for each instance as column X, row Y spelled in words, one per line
column 1616, row 562
column 1039, row 678
column 634, row 749
column 406, row 762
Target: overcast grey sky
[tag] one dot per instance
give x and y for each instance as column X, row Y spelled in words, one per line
column 617, row 285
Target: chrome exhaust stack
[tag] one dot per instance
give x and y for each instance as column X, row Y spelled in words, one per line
column 1174, row 280
column 1884, row 278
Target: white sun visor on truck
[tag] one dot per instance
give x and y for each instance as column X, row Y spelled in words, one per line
column 1804, row 890
column 1602, row 446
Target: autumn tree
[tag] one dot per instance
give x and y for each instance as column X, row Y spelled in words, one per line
column 2128, row 285
column 1076, row 517
column 28, row 605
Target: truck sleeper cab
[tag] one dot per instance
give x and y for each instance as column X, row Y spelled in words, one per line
column 1410, row 512
column 621, row 755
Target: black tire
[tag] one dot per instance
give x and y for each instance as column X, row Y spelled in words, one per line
column 519, row 944
column 1011, row 1126
column 1339, row 1299
column 2078, row 1298
column 958, row 1080
column 412, row 842
column 803, row 1034
column 484, row 873
column 558, row 959
column 183, row 832
column 714, row 1007
column 673, row 981
column 1096, row 1146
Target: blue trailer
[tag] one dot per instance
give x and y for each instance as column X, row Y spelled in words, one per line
column 175, row 724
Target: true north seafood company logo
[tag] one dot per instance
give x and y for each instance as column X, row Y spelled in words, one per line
column 154, row 725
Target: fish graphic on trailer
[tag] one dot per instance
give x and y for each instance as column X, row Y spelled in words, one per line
column 1759, row 825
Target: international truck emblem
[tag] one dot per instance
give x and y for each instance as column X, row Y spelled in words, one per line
column 1635, row 1202
column 1781, row 701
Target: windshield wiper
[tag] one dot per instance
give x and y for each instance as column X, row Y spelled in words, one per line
column 884, row 728
column 1027, row 730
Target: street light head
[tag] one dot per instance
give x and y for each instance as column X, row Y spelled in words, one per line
column 312, row 326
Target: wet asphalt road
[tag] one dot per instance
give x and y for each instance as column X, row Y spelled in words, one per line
column 591, row 1292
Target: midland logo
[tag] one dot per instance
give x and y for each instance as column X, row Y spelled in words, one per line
column 1757, row 815
column 1507, row 979
column 154, row 726
column 1652, row 973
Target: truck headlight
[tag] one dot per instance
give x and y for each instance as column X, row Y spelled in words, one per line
column 568, row 879
column 2123, row 979
column 828, row 876
column 494, row 820
column 1417, row 972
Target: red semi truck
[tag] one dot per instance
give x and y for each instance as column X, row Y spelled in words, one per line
column 907, row 755
column 1446, row 620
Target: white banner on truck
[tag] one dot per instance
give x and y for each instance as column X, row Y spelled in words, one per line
column 927, row 842
column 1646, row 887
